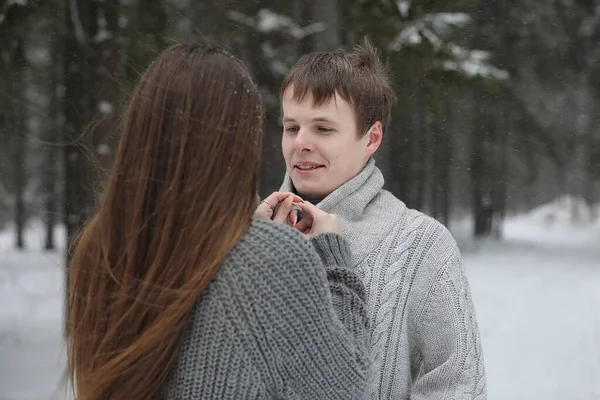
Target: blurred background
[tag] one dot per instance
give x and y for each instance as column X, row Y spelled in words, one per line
column 496, row 133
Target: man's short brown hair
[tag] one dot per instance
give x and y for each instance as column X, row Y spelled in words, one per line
column 357, row 76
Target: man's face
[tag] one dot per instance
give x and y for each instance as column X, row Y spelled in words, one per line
column 320, row 145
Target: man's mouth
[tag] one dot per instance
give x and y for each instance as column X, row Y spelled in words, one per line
column 308, row 167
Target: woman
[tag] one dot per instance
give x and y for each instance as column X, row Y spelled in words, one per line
column 176, row 291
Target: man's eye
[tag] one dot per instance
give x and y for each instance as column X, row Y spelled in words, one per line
column 292, row 129
column 323, row 129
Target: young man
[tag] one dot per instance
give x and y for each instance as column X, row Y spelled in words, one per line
column 425, row 339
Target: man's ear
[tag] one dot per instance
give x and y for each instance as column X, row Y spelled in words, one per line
column 375, row 135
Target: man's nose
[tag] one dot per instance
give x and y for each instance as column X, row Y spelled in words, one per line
column 303, row 141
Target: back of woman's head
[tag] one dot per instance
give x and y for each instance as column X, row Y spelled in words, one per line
column 180, row 196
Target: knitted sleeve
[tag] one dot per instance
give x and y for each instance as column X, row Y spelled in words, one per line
column 450, row 347
column 319, row 327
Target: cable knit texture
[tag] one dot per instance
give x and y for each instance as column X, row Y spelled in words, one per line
column 285, row 318
column 424, row 335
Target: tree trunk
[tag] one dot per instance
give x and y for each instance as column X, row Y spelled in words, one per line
column 445, row 165
column 420, row 150
column 19, row 156
column 50, row 171
column 476, row 163
column 91, row 68
column 591, row 165
column 435, row 190
column 400, row 155
column 143, row 36
column 19, row 139
column 329, row 13
column 481, row 200
column 503, row 132
column 50, row 212
column 77, row 110
column 591, row 194
column 105, row 69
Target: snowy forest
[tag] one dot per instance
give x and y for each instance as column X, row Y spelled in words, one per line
column 496, row 133
column 498, row 102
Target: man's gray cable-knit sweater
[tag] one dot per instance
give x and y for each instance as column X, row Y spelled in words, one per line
column 285, row 318
column 425, row 340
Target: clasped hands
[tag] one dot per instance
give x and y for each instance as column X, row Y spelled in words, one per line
column 283, row 207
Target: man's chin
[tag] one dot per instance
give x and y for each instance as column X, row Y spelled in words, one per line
column 310, row 192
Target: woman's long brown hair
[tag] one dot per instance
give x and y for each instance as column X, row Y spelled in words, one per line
column 180, row 196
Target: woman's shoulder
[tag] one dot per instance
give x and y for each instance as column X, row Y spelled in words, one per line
column 273, row 236
column 267, row 244
column 274, row 253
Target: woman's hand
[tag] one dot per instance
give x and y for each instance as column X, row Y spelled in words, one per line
column 285, row 213
column 317, row 221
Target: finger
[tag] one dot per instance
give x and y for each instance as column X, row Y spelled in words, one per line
column 267, row 207
column 263, row 211
column 304, row 224
column 276, row 197
column 308, row 233
column 310, row 209
column 293, row 217
column 284, row 210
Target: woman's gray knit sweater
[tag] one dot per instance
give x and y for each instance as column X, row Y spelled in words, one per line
column 285, row 318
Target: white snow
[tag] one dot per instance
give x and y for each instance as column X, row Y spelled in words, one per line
column 473, row 63
column 105, row 107
column 410, row 35
column 537, row 296
column 445, row 20
column 123, row 21
column 270, row 21
column 102, row 36
column 103, row 149
column 31, row 318
column 403, row 7
column 241, row 18
column 435, row 29
column 475, row 67
column 432, row 27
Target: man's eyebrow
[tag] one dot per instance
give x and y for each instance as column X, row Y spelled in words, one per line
column 316, row 119
column 323, row 119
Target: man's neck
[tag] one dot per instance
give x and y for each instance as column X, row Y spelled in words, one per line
column 312, row 199
column 353, row 196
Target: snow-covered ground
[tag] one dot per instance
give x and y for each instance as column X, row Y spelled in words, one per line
column 31, row 319
column 537, row 295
